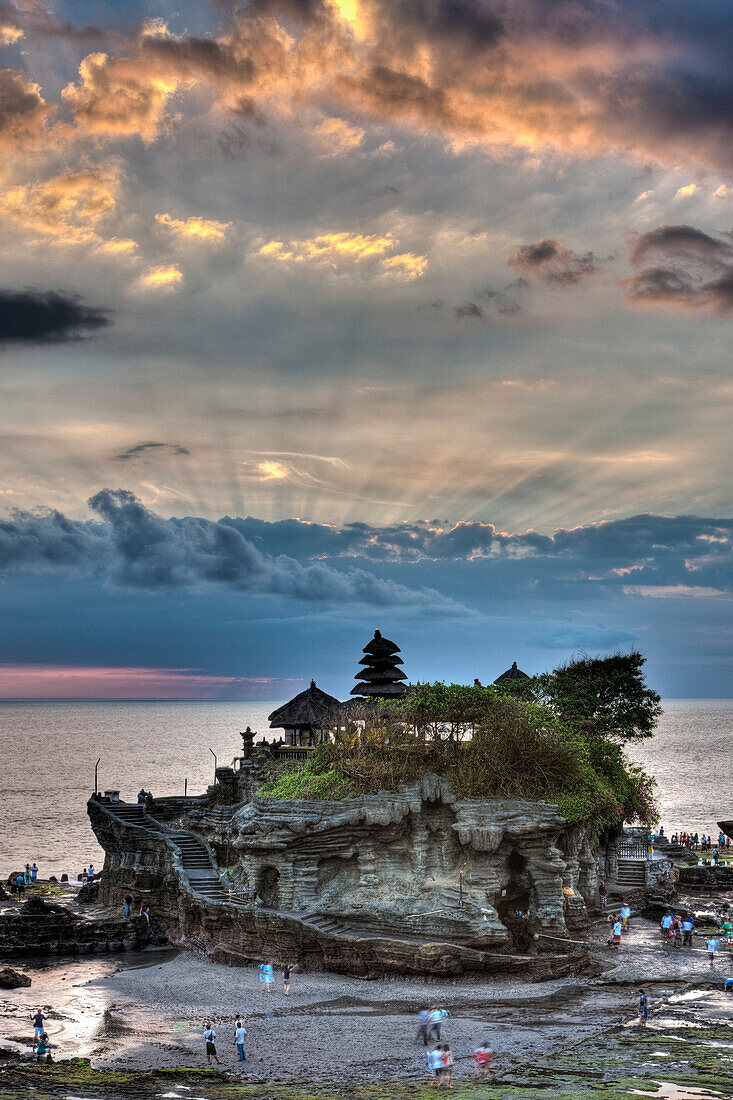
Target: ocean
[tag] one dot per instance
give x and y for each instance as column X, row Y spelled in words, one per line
column 49, row 751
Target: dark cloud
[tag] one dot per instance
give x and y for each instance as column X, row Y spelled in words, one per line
column 133, row 547
column 694, row 270
column 35, row 316
column 552, row 263
column 468, row 309
column 23, row 111
column 141, row 449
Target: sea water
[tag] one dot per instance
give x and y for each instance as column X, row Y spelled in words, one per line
column 49, row 751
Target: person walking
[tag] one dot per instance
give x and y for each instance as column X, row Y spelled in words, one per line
column 482, row 1060
column 625, row 914
column 712, row 944
column 239, row 1035
column 643, row 1008
column 688, row 927
column 145, row 912
column 210, row 1040
column 127, row 906
column 422, row 1025
column 616, row 933
column 287, row 971
column 602, row 893
column 448, row 1064
column 267, row 976
column 434, row 1059
column 435, row 1019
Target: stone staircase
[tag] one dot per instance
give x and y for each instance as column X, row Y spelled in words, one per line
column 132, row 813
column 327, row 926
column 630, row 873
column 202, row 875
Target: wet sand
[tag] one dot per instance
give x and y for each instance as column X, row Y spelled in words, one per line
column 334, row 1029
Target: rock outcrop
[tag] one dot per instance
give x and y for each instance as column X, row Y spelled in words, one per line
column 38, row 927
column 13, row 979
column 415, row 881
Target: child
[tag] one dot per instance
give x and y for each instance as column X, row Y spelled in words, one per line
column 448, row 1064
column 712, row 946
column 482, row 1061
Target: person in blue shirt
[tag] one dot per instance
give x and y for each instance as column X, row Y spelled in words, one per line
column 34, row 873
column 643, row 1008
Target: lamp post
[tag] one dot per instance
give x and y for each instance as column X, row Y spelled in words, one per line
column 214, row 755
column 96, row 766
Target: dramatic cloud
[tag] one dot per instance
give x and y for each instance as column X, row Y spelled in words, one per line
column 582, row 79
column 34, row 316
column 23, row 111
column 552, row 263
column 694, row 270
column 134, row 548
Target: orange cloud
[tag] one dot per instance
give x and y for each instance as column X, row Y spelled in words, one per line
column 68, row 207
column 340, row 251
column 163, row 277
column 202, row 229
column 117, row 96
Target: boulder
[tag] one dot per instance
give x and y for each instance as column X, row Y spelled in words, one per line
column 13, row 979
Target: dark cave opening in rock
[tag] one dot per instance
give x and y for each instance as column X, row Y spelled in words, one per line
column 267, row 886
column 513, row 907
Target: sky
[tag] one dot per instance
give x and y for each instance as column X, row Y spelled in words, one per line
column 321, row 316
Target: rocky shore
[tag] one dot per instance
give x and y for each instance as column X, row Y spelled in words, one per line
column 340, row 1036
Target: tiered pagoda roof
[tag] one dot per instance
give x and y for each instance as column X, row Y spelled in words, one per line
column 512, row 673
column 381, row 677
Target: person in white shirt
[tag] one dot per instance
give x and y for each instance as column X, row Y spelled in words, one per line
column 239, row 1035
column 210, row 1040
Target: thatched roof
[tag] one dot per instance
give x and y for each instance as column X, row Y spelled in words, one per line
column 380, row 690
column 378, row 675
column 380, row 647
column 512, row 673
column 310, row 709
column 381, row 662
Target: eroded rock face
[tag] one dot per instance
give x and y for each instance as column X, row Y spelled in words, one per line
column 416, row 881
column 38, row 928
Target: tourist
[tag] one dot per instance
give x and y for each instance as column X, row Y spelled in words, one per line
column 43, row 1048
column 38, row 1028
column 210, row 1039
column 712, row 944
column 20, row 883
column 643, row 1008
column 665, row 924
column 677, row 932
column 602, row 893
column 482, row 1061
column 728, row 985
column 127, row 906
column 267, row 976
column 84, row 877
column 91, row 873
column 448, row 1065
column 145, row 912
column 27, row 874
column 422, row 1025
column 34, row 874
column 435, row 1019
column 688, row 927
column 239, row 1034
column 616, row 930
column 288, row 969
column 434, row 1059
column 625, row 914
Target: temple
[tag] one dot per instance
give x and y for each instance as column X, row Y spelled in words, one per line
column 414, row 879
column 381, row 677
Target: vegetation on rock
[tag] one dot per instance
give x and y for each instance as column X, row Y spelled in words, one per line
column 561, row 742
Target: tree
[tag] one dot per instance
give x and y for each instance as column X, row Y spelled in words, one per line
column 603, row 697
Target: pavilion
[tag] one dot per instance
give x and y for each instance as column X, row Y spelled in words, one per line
column 512, row 673
column 304, row 717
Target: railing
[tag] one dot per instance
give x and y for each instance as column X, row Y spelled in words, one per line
column 632, row 849
column 292, row 752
